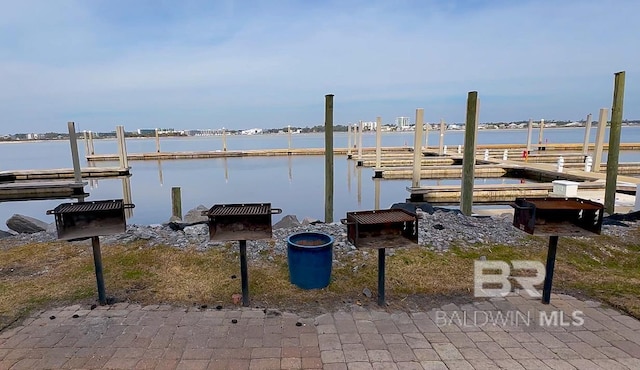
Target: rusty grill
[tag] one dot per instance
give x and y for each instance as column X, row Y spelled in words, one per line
column 387, row 228
column 558, row 216
column 88, row 219
column 239, row 210
column 250, row 221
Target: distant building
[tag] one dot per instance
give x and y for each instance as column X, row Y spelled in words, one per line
column 371, row 126
column 403, row 123
column 252, row 131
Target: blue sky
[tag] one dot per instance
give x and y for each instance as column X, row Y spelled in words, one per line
column 243, row 64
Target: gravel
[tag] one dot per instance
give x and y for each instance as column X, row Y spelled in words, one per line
column 438, row 231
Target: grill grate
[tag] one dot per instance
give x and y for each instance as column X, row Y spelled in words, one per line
column 381, row 216
column 109, row 205
column 561, row 204
column 240, row 209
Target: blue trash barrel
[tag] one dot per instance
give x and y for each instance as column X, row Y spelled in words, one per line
column 310, row 256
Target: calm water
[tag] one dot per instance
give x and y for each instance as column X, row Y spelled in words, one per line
column 295, row 184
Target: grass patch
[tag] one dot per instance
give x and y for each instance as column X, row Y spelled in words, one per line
column 35, row 276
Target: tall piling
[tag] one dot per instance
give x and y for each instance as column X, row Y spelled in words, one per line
column 349, row 141
column 378, row 142
column 75, row 156
column 176, row 203
column 529, row 131
column 443, row 127
column 587, row 134
column 417, row 148
column 328, row 158
column 602, row 127
column 157, row 141
column 541, row 135
column 469, row 158
column 360, row 141
column 614, row 143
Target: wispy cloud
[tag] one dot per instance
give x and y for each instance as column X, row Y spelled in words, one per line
column 241, row 64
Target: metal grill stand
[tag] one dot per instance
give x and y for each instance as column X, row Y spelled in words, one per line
column 241, row 222
column 380, row 229
column 555, row 217
column 89, row 220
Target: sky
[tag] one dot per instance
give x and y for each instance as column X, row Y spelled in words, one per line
column 196, row 64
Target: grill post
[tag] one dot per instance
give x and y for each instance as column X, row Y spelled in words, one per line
column 381, row 268
column 97, row 261
column 244, row 276
column 551, row 261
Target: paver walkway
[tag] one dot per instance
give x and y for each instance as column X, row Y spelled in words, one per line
column 512, row 333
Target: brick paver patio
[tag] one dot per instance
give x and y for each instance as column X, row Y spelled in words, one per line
column 511, row 333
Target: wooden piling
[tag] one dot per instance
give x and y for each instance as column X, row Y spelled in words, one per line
column 349, row 141
column 360, row 141
column 469, row 158
column 122, row 147
column 86, row 142
column 529, row 131
column 602, row 127
column 426, row 135
column 328, row 155
column 157, row 142
column 541, row 135
column 75, row 157
column 289, row 132
column 92, row 149
column 587, row 132
column 224, row 140
column 443, row 126
column 176, row 203
column 417, row 148
column 614, row 143
column 378, row 141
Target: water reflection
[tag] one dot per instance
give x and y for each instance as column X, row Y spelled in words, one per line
column 359, row 172
column 376, row 184
column 126, row 196
column 226, row 170
column 290, row 165
column 160, row 177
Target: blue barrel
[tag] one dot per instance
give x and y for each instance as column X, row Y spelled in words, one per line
column 310, row 256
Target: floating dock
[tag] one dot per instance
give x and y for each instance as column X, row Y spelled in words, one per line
column 237, row 153
column 62, row 173
column 36, row 190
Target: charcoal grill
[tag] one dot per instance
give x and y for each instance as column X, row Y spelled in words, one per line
column 241, row 222
column 381, row 229
column 75, row 221
column 83, row 220
column 250, row 221
column 555, row 217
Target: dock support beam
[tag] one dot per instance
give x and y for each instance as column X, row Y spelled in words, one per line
column 378, row 142
column 328, row 158
column 614, row 143
column 541, row 136
column 417, row 148
column 469, row 157
column 443, row 126
column 602, row 127
column 529, row 130
column 587, row 132
column 176, row 202
column 157, row 142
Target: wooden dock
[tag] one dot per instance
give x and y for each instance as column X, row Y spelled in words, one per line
column 239, row 153
column 62, row 173
column 36, row 190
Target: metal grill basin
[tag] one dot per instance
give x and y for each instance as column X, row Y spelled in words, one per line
column 558, row 216
column 240, row 209
column 87, row 219
column 387, row 228
column 251, row 221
